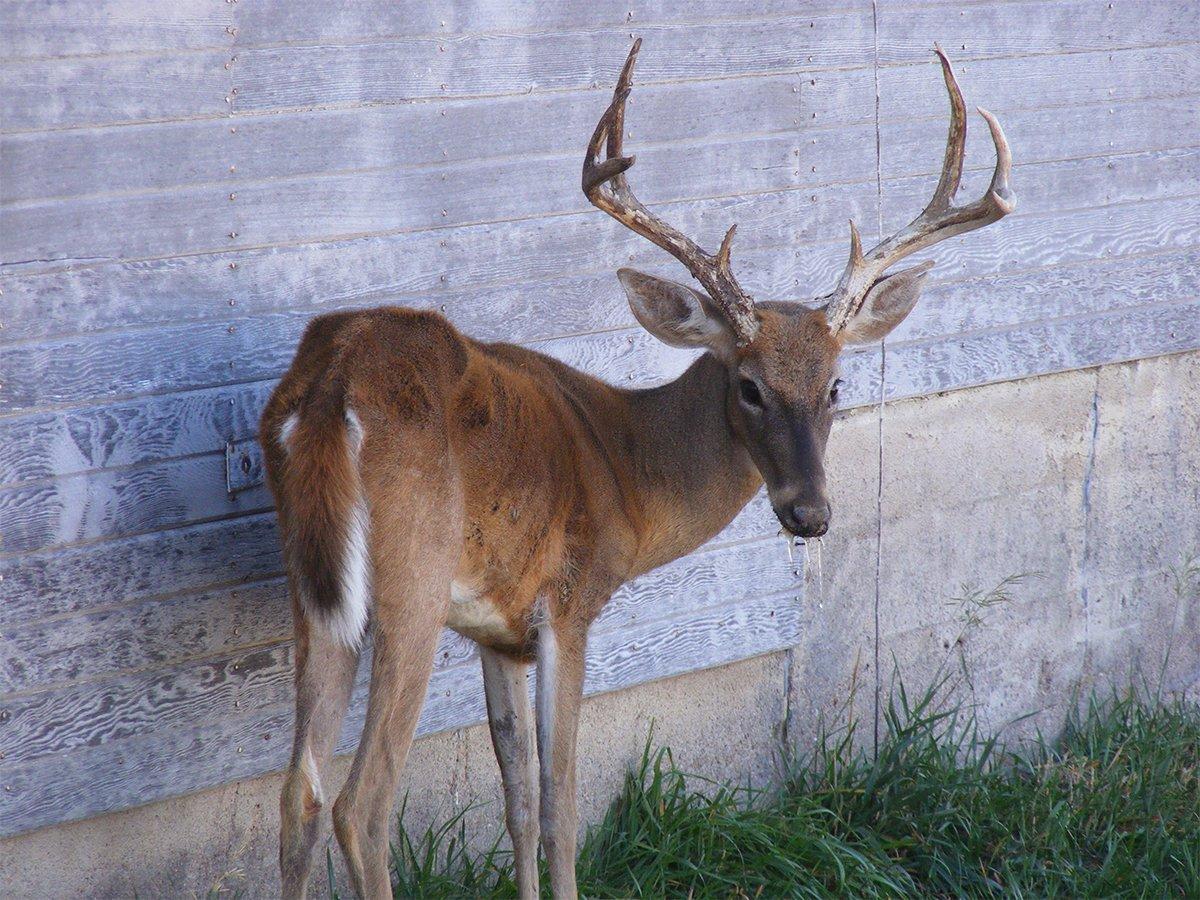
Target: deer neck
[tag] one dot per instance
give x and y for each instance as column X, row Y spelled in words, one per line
column 693, row 474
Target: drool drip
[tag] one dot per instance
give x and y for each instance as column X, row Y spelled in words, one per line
column 813, row 574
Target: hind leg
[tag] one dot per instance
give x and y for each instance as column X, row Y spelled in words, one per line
column 510, row 718
column 406, row 636
column 325, row 673
column 416, row 538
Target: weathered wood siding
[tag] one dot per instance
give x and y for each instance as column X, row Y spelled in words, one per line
column 184, row 185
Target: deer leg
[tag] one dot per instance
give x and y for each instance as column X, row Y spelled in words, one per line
column 560, row 661
column 415, row 539
column 325, row 672
column 405, row 641
column 510, row 719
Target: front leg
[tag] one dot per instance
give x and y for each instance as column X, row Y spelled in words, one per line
column 560, row 667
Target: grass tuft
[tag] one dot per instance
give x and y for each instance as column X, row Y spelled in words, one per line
column 1112, row 808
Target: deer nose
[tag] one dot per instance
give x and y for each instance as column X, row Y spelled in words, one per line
column 808, row 520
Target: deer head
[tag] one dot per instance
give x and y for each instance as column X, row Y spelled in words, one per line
column 781, row 357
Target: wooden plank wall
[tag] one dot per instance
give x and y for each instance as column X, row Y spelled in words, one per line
column 184, row 185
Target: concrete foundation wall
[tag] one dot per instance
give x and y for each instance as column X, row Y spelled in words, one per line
column 1090, row 479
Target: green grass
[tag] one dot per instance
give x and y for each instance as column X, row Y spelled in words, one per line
column 1112, row 808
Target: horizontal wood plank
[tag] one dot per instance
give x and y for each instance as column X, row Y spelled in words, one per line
column 83, row 162
column 1056, row 346
column 94, row 577
column 89, row 161
column 1106, row 129
column 215, row 217
column 188, row 85
column 110, row 503
column 498, row 64
column 1006, row 84
column 106, row 90
column 32, row 28
column 1032, row 28
column 281, row 21
column 86, row 27
column 457, row 264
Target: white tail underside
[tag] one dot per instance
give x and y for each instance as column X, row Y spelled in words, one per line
column 348, row 621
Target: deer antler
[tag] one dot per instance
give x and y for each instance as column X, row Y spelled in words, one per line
column 605, row 186
column 939, row 220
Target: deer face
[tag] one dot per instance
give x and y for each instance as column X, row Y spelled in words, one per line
column 781, row 358
column 782, row 385
column 782, row 394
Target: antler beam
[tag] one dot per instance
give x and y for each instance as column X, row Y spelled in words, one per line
column 606, row 187
column 940, row 220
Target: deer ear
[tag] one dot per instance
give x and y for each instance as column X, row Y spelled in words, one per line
column 676, row 314
column 888, row 301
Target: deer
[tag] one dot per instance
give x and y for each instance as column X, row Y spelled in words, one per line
column 424, row 479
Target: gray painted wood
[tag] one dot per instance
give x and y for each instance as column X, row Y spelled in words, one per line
column 32, row 28
column 375, row 268
column 160, row 427
column 44, row 94
column 187, row 85
column 203, row 218
column 94, row 577
column 78, row 27
column 1041, row 82
column 280, row 21
column 143, row 622
column 92, row 161
column 1032, row 28
column 497, row 64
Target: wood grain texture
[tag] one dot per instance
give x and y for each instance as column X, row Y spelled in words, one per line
column 107, row 90
column 32, row 28
column 204, row 218
column 915, row 90
column 89, row 161
column 498, row 64
column 280, row 21
column 1032, row 28
column 114, row 502
column 95, row 577
column 130, row 363
column 83, row 162
column 463, row 261
column 197, row 83
column 83, row 27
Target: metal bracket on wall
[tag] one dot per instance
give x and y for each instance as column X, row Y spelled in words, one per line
column 243, row 466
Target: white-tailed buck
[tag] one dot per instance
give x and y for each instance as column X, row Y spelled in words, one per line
column 425, row 479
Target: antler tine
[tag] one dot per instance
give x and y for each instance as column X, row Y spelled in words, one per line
column 956, row 140
column 606, row 187
column 940, row 219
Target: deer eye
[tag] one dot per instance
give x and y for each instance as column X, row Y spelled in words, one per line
column 833, row 391
column 751, row 395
